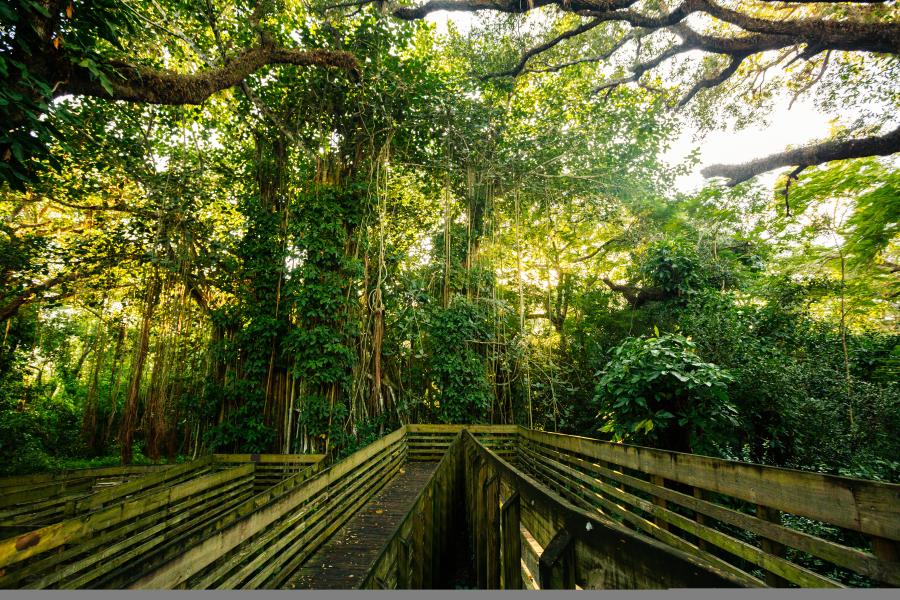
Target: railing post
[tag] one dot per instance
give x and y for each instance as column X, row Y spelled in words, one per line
column 403, row 566
column 439, row 529
column 700, row 494
column 511, row 543
column 492, row 532
column 661, row 502
column 886, row 550
column 478, row 518
column 769, row 547
column 557, row 563
column 417, row 568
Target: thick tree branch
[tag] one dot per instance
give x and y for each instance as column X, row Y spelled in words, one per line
column 713, row 81
column 846, row 34
column 11, row 305
column 145, row 84
column 636, row 296
column 878, row 145
column 850, row 34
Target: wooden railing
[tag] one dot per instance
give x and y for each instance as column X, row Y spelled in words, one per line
column 429, row 442
column 733, row 515
column 31, row 501
column 110, row 537
column 660, row 519
column 107, row 545
column 262, row 546
column 271, row 469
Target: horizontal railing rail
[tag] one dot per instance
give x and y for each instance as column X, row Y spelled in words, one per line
column 99, row 548
column 732, row 513
column 263, row 548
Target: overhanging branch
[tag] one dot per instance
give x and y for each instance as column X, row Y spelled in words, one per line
column 814, row 154
column 145, row 84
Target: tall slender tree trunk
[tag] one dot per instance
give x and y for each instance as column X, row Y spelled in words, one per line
column 129, row 417
column 115, row 383
column 89, row 417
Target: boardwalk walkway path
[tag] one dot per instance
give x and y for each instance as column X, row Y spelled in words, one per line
column 345, row 560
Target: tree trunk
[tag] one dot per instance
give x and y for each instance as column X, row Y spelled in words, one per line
column 129, row 418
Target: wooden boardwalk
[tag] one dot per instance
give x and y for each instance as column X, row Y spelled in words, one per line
column 346, row 559
column 576, row 512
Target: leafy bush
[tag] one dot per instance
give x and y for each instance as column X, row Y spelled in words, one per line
column 244, row 429
column 672, row 266
column 457, row 368
column 657, row 391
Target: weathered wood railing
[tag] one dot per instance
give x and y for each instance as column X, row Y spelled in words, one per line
column 429, row 442
column 149, row 520
column 271, row 469
column 263, row 547
column 30, row 501
column 105, row 546
column 418, row 554
column 651, row 518
column 731, row 514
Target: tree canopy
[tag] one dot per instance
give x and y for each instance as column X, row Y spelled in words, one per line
column 292, row 226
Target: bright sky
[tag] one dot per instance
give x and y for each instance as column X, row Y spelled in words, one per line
column 794, row 127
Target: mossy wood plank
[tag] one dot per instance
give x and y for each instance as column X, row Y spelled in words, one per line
column 9, row 484
column 269, row 459
column 138, row 545
column 73, row 530
column 869, row 507
column 146, row 482
column 201, row 556
column 127, row 530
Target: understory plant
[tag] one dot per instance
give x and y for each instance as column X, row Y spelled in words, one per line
column 657, row 391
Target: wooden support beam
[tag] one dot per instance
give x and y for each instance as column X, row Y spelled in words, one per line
column 404, row 564
column 492, row 532
column 418, row 545
column 661, row 502
column 428, row 537
column 771, row 547
column 478, row 515
column 700, row 494
column 511, row 543
column 887, row 551
column 557, row 564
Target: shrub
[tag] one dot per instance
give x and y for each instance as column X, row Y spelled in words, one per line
column 657, row 391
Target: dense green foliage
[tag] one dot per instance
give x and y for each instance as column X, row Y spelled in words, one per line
column 657, row 391
column 312, row 257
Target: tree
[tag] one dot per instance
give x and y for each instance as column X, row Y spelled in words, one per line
column 735, row 46
column 109, row 49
